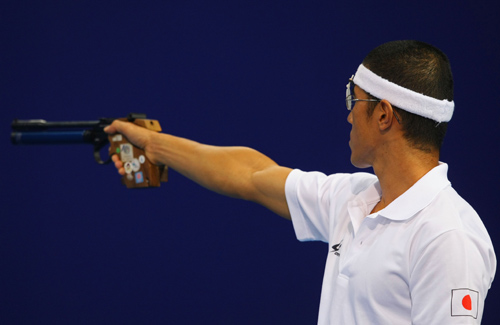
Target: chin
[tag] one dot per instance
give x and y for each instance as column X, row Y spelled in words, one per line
column 359, row 164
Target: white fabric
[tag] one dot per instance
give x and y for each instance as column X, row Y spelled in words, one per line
column 409, row 100
column 400, row 265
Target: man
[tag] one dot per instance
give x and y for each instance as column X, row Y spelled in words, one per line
column 405, row 248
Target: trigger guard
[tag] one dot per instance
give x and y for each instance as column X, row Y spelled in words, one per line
column 98, row 159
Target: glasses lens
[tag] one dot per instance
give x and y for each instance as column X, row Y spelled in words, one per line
column 348, row 95
column 348, row 102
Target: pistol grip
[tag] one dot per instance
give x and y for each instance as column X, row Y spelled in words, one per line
column 139, row 171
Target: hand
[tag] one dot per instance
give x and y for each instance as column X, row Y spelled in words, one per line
column 138, row 136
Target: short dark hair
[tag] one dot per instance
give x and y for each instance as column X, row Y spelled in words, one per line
column 422, row 68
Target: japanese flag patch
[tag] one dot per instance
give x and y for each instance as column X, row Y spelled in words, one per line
column 464, row 302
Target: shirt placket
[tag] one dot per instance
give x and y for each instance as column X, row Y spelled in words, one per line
column 356, row 232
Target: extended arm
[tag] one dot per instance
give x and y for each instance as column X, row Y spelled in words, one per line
column 238, row 172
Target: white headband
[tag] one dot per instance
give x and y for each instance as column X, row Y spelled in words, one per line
column 409, row 100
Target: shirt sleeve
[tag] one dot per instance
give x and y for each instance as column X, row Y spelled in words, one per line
column 449, row 280
column 317, row 201
column 309, row 216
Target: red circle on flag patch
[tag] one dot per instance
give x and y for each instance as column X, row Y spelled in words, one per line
column 467, row 302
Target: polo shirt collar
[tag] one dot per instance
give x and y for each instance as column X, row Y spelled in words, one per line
column 419, row 196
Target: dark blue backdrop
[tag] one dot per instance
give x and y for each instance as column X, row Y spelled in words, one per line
column 78, row 248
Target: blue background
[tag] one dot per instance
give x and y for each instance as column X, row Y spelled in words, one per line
column 76, row 247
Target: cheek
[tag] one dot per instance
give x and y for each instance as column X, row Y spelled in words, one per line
column 354, row 130
column 357, row 138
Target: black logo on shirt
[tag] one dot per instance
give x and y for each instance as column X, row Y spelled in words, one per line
column 336, row 248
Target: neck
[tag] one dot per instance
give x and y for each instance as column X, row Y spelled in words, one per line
column 399, row 171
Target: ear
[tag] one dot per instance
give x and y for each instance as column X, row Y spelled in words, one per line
column 385, row 115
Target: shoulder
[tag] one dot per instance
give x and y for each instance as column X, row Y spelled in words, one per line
column 451, row 225
column 449, row 211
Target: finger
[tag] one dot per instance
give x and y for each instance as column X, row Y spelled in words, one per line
column 110, row 129
column 115, row 127
column 118, row 164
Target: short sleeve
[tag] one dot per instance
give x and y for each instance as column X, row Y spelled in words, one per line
column 316, row 200
column 449, row 280
column 309, row 215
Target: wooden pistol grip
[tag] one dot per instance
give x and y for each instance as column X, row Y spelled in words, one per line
column 139, row 171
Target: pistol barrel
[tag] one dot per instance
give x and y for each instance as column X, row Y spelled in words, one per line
column 49, row 137
column 33, row 125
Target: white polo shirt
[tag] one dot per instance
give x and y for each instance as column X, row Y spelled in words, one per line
column 424, row 259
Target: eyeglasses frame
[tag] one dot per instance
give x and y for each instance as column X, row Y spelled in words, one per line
column 349, row 98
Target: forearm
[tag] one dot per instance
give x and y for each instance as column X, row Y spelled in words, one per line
column 225, row 170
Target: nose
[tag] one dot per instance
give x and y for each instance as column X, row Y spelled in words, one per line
column 349, row 117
